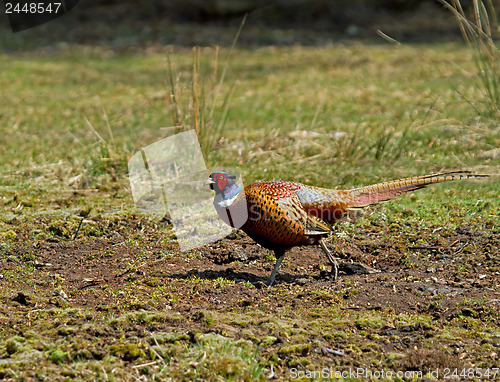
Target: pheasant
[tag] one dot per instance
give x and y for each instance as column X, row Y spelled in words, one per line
column 283, row 214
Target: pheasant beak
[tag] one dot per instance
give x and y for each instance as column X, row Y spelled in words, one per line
column 208, row 182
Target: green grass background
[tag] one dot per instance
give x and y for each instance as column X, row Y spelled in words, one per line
column 399, row 111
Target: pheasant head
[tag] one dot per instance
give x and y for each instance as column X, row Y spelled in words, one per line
column 225, row 187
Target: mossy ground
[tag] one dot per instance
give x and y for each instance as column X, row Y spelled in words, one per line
column 119, row 306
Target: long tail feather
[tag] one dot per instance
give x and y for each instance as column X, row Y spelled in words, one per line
column 364, row 196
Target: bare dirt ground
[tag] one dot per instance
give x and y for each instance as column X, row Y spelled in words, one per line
column 446, row 275
column 402, row 284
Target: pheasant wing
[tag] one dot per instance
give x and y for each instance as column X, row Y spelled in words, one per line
column 327, row 205
column 276, row 215
column 296, row 212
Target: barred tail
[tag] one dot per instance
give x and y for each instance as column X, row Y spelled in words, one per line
column 364, row 196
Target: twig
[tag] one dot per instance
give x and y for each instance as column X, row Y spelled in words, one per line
column 425, row 247
column 388, row 38
column 78, row 229
column 156, row 353
column 334, row 352
column 144, row 364
column 461, row 249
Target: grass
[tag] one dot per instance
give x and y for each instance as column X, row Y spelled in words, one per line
column 196, row 102
column 478, row 31
column 333, row 116
column 421, row 121
column 201, row 105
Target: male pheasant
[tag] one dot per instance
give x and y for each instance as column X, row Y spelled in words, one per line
column 283, row 214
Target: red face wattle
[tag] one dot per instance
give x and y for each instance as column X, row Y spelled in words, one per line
column 221, row 180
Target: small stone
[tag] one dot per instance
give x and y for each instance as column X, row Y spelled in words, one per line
column 240, row 255
column 356, row 268
column 61, row 293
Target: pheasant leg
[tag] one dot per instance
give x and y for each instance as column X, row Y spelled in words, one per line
column 331, row 259
column 279, row 258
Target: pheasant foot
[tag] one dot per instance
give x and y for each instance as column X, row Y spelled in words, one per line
column 331, row 259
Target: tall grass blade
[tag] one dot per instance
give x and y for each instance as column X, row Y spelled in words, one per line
column 477, row 32
column 203, row 106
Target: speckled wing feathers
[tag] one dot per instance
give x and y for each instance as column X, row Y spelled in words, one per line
column 276, row 215
column 327, row 205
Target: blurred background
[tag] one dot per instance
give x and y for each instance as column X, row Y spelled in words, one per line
column 208, row 22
